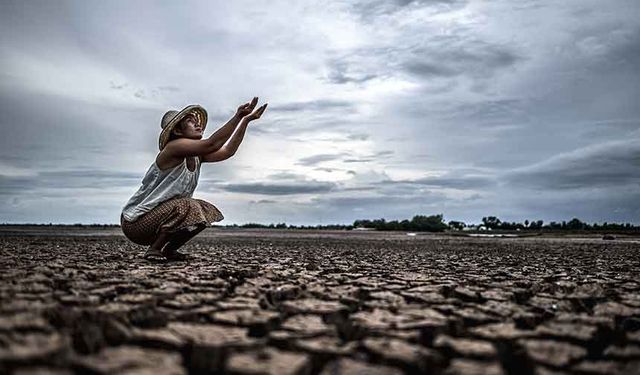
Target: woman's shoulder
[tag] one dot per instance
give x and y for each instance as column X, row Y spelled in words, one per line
column 165, row 162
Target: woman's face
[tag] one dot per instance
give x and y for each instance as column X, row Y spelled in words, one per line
column 189, row 128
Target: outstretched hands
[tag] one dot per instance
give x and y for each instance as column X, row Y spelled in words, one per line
column 257, row 113
column 247, row 108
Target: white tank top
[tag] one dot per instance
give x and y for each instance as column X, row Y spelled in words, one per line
column 159, row 186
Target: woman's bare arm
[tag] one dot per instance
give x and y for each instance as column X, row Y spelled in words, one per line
column 230, row 148
column 184, row 147
column 223, row 134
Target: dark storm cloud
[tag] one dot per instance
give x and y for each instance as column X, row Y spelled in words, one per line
column 611, row 164
column 606, row 130
column 470, row 114
column 88, row 174
column 14, row 185
column 286, row 176
column 356, row 66
column 339, row 74
column 358, row 188
column 67, row 179
column 422, row 60
column 449, row 180
column 449, row 56
column 306, row 187
column 609, row 45
column 360, row 201
column 313, row 105
column 45, row 128
column 629, row 49
column 295, row 184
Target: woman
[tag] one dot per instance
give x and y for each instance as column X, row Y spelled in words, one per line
column 162, row 213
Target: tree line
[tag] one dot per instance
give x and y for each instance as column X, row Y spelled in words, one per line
column 493, row 222
column 426, row 223
column 436, row 223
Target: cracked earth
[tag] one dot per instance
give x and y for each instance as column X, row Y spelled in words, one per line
column 286, row 302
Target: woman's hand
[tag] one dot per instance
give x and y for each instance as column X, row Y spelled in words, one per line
column 257, row 113
column 246, row 108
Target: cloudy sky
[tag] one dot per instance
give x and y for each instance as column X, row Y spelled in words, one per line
column 518, row 109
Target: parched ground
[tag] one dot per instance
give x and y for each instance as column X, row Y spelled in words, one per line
column 287, row 302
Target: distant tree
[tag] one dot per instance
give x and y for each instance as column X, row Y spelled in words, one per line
column 574, row 223
column 459, row 225
column 535, row 224
column 433, row 223
column 405, row 224
column 491, row 222
column 555, row 225
column 253, row 225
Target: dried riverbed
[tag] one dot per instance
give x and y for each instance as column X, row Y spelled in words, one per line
column 302, row 302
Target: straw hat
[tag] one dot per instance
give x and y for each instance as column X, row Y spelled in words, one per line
column 172, row 118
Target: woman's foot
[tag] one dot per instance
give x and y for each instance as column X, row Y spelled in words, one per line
column 173, row 254
column 154, row 254
column 179, row 238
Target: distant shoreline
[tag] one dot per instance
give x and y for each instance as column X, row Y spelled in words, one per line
column 61, row 230
column 346, row 228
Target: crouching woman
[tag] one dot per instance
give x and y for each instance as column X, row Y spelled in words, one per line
column 163, row 214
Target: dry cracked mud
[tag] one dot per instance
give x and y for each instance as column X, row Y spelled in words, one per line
column 327, row 304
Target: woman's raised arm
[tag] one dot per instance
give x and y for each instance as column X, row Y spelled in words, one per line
column 222, row 135
column 183, row 147
column 229, row 149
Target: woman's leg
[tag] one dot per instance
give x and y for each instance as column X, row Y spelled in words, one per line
column 155, row 250
column 178, row 212
column 167, row 243
column 180, row 238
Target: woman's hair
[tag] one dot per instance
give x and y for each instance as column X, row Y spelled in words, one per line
column 173, row 135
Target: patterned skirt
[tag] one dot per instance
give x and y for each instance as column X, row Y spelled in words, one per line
column 170, row 216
